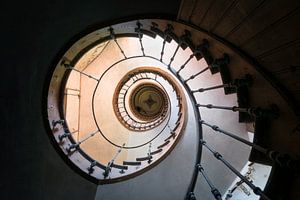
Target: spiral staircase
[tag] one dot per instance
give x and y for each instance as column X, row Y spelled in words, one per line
column 162, row 110
column 149, row 74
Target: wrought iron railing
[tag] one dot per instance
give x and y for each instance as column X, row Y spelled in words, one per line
column 214, row 65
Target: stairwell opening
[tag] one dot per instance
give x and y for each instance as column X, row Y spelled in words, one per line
column 103, row 90
column 104, row 96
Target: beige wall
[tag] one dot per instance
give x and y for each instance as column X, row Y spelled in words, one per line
column 99, row 148
column 72, row 102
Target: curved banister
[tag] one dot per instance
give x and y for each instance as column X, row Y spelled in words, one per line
column 198, row 51
column 112, row 165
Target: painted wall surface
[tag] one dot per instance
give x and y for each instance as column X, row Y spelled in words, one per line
column 168, row 180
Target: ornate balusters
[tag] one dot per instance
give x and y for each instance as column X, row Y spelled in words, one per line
column 110, row 163
column 135, row 77
column 66, row 63
column 76, row 145
column 213, row 189
column 162, row 49
column 174, row 54
column 236, row 83
column 181, row 44
column 256, row 112
column 186, row 42
column 195, row 75
column 172, row 133
column 233, row 108
column 91, row 167
column 218, row 156
column 234, row 136
column 185, row 63
column 167, row 38
column 139, row 25
column 112, row 35
column 211, row 88
column 149, row 154
column 191, row 196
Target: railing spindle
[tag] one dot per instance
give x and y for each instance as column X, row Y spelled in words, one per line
column 91, row 167
column 217, row 155
column 195, row 75
column 234, row 136
column 112, row 35
column 236, row 83
column 233, row 108
column 76, row 145
column 185, row 63
column 211, row 88
column 174, row 54
column 110, row 163
column 213, row 189
column 67, row 65
column 163, row 48
column 139, row 25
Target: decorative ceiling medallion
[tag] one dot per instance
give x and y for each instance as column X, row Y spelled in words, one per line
column 148, row 101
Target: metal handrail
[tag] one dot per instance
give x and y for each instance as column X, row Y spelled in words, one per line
column 195, row 105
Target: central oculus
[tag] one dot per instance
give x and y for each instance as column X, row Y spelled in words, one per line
column 148, row 101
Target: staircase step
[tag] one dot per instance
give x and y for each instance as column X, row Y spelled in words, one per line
column 179, row 117
column 143, row 158
column 206, row 53
column 261, row 132
column 172, row 135
column 131, row 163
column 156, row 152
column 119, row 166
column 243, row 102
column 187, row 41
column 176, row 127
column 146, row 32
column 164, row 144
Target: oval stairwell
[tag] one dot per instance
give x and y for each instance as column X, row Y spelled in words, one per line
column 189, row 99
column 188, row 73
